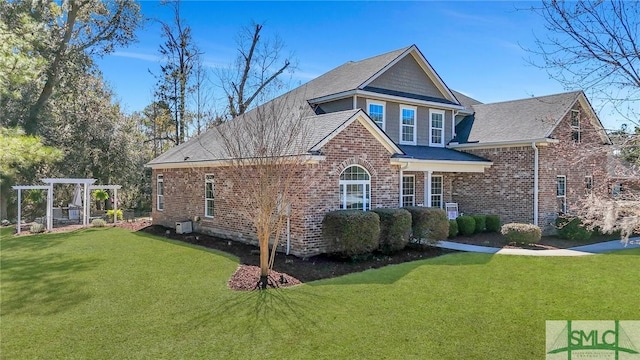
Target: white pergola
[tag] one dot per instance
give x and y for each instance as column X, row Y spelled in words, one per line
column 86, row 210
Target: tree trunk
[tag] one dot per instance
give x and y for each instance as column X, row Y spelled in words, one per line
column 264, row 260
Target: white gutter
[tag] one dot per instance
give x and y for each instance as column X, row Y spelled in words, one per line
column 541, row 141
column 371, row 94
column 308, row 159
column 535, row 183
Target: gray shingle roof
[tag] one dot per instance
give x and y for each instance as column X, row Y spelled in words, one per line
column 348, row 76
column 465, row 101
column 525, row 119
column 436, row 153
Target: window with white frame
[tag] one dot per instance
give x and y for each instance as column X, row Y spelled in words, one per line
column 436, row 191
column 561, row 193
column 208, row 195
column 437, row 127
column 355, row 188
column 588, row 184
column 160, row 192
column 407, row 125
column 376, row 112
column 575, row 125
column 408, row 190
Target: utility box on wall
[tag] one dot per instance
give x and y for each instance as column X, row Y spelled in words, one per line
column 184, row 227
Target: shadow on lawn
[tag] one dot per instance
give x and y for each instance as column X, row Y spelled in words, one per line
column 392, row 273
column 40, row 241
column 253, row 312
column 42, row 284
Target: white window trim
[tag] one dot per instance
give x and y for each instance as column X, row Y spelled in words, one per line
column 563, row 197
column 343, row 189
column 413, row 196
column 213, row 189
column 574, row 127
column 431, row 128
column 415, row 124
column 441, row 189
column 384, row 110
column 159, row 180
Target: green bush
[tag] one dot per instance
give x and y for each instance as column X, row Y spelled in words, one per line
column 493, row 223
column 429, row 224
column 351, row 232
column 466, row 225
column 571, row 228
column 481, row 223
column 99, row 222
column 453, row 229
column 521, row 233
column 37, row 228
column 395, row 229
column 110, row 214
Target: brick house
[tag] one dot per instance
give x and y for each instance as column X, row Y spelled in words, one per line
column 388, row 132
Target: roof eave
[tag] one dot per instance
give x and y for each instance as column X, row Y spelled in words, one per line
column 309, row 159
column 409, row 164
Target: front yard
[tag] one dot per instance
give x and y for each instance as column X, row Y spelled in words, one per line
column 111, row 293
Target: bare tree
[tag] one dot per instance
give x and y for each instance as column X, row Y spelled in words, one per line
column 594, row 45
column 202, row 97
column 256, row 70
column 180, row 54
column 267, row 149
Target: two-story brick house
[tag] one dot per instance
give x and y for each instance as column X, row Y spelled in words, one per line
column 389, row 132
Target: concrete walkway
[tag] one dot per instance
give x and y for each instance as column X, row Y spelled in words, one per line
column 592, row 249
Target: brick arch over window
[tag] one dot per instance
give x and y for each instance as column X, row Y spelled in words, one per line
column 355, row 161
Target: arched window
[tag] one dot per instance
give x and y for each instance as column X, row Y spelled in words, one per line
column 355, row 188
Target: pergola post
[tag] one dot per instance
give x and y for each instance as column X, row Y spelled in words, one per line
column 19, row 210
column 50, row 207
column 115, row 205
column 86, row 211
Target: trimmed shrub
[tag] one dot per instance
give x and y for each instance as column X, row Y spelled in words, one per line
column 466, row 225
column 395, row 229
column 98, row 223
column 493, row 223
column 110, row 214
column 37, row 228
column 453, row 229
column 521, row 233
column 429, row 224
column 481, row 223
column 571, row 228
column 351, row 232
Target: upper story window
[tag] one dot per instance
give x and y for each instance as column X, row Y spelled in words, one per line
column 160, row 192
column 375, row 110
column 355, row 188
column 437, row 127
column 208, row 195
column 407, row 125
column 575, row 125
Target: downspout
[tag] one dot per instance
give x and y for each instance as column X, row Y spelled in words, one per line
column 535, row 183
column 355, row 102
column 288, row 234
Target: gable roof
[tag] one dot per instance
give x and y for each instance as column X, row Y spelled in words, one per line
column 521, row 120
column 466, row 101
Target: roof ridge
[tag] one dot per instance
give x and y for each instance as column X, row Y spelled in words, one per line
column 530, row 98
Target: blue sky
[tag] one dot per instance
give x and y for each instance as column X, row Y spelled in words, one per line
column 476, row 47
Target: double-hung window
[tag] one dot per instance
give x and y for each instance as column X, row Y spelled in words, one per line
column 408, row 190
column 575, row 125
column 355, row 188
column 208, row 195
column 588, row 184
column 376, row 112
column 160, row 192
column 437, row 127
column 561, row 193
column 407, row 125
column 436, row 191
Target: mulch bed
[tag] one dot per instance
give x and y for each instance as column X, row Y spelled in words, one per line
column 294, row 269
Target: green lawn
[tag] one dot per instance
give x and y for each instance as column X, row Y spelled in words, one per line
column 109, row 293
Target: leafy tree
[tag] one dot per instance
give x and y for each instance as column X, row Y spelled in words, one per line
column 19, row 153
column 74, row 32
column 256, row 70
